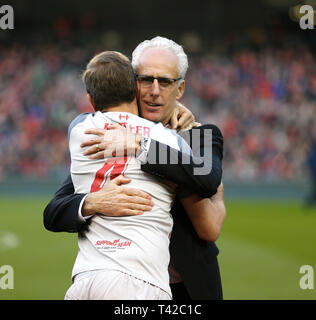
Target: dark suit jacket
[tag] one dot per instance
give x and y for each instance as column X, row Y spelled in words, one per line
column 194, row 259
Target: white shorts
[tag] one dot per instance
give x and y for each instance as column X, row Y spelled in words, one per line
column 113, row 285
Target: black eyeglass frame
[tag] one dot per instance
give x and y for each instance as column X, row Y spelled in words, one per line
column 151, row 79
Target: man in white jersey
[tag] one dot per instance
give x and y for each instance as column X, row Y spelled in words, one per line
column 194, row 254
column 132, row 249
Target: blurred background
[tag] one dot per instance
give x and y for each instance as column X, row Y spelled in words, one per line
column 252, row 72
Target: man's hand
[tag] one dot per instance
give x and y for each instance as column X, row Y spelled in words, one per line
column 116, row 200
column 115, row 141
column 182, row 118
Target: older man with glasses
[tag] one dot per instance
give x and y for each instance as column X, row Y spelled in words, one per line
column 160, row 66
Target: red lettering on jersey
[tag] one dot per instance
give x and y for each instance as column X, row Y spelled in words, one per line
column 106, row 126
column 131, row 128
column 146, row 132
column 123, row 116
column 124, row 124
column 139, row 129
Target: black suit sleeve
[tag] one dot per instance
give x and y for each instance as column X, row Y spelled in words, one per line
column 207, row 153
column 61, row 213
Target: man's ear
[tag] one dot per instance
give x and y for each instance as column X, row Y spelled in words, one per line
column 92, row 102
column 180, row 90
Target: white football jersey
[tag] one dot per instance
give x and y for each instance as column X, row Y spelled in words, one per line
column 136, row 245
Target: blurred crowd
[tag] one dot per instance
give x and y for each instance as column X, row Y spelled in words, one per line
column 264, row 101
column 265, row 104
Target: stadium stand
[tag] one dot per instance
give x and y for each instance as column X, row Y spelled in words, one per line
column 263, row 100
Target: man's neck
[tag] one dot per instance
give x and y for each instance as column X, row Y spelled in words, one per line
column 124, row 107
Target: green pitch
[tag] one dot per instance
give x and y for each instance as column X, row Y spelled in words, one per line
column 262, row 248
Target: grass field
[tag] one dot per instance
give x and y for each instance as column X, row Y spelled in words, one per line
column 262, row 247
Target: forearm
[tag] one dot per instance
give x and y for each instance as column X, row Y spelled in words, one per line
column 183, row 174
column 196, row 174
column 207, row 215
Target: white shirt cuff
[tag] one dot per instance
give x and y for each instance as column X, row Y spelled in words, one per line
column 81, row 217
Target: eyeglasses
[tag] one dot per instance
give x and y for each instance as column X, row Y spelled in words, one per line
column 147, row 81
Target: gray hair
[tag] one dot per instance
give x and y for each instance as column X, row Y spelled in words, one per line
column 163, row 43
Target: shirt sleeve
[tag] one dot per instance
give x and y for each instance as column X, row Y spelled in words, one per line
column 81, row 217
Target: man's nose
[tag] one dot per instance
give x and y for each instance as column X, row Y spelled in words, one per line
column 155, row 89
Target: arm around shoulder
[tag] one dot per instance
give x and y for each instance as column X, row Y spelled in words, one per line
column 199, row 172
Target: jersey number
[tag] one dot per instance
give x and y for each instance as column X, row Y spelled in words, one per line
column 110, row 169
